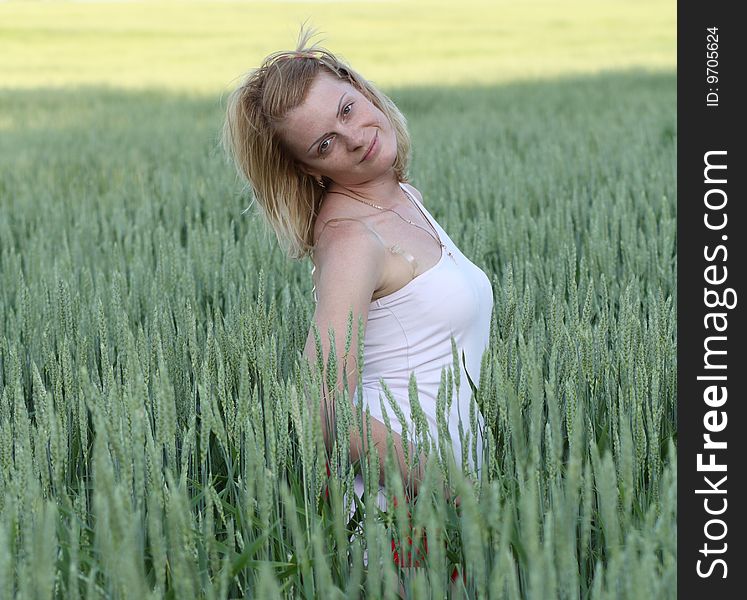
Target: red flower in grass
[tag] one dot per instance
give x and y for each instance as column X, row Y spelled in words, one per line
column 401, row 561
column 407, row 561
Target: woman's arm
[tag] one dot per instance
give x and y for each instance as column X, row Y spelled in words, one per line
column 349, row 261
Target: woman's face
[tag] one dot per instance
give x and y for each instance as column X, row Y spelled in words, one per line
column 331, row 133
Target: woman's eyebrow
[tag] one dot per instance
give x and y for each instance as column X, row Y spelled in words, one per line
column 339, row 108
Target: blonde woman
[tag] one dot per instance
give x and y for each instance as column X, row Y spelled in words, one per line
column 326, row 155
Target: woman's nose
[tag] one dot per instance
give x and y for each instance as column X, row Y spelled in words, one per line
column 355, row 138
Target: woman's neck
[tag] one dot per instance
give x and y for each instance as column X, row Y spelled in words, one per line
column 387, row 194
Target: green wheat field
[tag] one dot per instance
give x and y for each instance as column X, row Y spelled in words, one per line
column 155, row 440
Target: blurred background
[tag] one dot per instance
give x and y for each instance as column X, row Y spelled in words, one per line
column 202, row 46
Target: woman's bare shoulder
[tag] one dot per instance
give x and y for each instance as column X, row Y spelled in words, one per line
column 334, row 231
column 341, row 216
column 348, row 248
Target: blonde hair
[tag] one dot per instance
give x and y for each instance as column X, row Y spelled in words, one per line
column 290, row 198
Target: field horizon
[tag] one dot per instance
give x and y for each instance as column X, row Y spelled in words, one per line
column 203, row 46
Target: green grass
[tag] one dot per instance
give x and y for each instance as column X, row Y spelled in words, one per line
column 195, row 46
column 148, row 442
column 152, row 443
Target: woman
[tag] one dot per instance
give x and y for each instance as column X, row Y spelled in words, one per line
column 326, row 155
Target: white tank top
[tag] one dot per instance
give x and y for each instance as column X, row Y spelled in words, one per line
column 410, row 330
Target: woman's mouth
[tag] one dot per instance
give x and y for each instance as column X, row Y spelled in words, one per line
column 372, row 147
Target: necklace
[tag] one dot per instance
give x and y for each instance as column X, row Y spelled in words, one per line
column 438, row 240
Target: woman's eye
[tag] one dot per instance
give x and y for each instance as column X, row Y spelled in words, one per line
column 345, row 111
column 322, row 146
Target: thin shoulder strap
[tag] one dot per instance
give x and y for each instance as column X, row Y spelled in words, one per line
column 423, row 211
column 347, row 219
column 414, row 200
